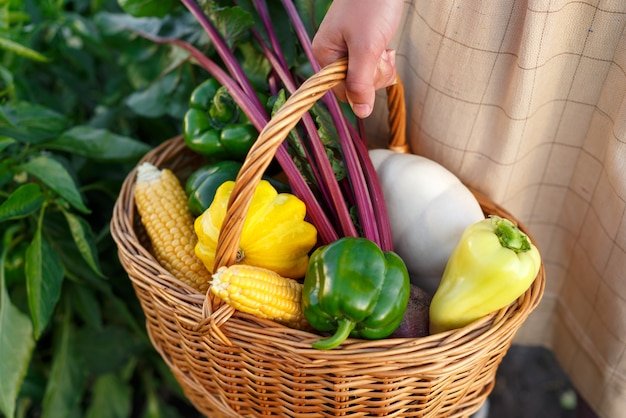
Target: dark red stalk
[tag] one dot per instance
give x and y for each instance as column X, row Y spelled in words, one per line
column 256, row 115
column 329, row 186
column 298, row 184
column 376, row 193
column 261, row 7
column 360, row 173
column 223, row 50
column 367, row 215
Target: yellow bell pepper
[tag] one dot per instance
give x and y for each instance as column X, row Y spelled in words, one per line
column 493, row 264
column 275, row 235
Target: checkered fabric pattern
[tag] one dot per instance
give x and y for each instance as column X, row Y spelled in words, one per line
column 525, row 100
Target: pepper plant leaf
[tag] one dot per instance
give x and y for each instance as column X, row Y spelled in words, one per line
column 111, row 398
column 44, row 277
column 25, row 200
column 152, row 102
column 16, row 348
column 84, row 239
column 32, row 123
column 86, row 304
column 99, row 144
column 23, row 51
column 5, row 142
column 66, row 382
column 101, row 355
column 6, row 171
column 57, row 232
column 8, row 82
column 54, row 175
column 16, row 345
column 144, row 8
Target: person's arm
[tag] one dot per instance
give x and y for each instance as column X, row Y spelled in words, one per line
column 360, row 30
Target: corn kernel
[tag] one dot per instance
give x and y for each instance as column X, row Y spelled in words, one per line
column 260, row 292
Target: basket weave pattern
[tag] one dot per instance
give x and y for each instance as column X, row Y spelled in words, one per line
column 232, row 364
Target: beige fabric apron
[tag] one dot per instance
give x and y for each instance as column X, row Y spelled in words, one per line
column 526, row 101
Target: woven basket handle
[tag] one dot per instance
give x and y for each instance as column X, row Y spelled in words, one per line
column 274, row 133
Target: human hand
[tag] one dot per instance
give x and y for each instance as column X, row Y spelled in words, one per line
column 360, row 30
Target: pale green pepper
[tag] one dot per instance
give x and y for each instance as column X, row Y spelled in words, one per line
column 493, row 264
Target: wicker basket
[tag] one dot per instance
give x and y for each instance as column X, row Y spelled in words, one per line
column 231, row 364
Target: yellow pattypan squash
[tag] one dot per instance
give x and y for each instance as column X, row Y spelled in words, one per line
column 274, row 236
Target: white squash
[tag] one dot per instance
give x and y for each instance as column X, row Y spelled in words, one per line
column 429, row 208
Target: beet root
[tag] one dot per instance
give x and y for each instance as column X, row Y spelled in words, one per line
column 415, row 323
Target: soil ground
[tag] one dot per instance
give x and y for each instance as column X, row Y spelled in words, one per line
column 531, row 384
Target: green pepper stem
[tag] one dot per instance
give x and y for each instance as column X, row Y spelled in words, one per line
column 223, row 109
column 510, row 236
column 343, row 331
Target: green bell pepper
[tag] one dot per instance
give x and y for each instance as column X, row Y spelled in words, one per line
column 215, row 126
column 353, row 288
column 202, row 184
column 493, row 264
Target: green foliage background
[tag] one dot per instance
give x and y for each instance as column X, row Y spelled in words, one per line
column 82, row 98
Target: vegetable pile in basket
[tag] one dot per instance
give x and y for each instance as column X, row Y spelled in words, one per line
column 337, row 240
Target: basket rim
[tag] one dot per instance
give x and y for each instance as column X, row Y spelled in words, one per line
column 200, row 339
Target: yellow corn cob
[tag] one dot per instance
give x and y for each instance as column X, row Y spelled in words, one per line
column 162, row 205
column 260, row 292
